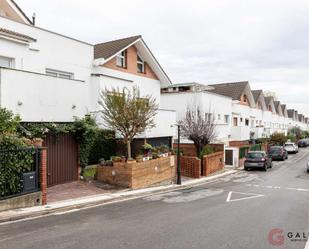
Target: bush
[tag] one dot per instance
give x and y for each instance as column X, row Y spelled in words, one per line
column 16, row 158
column 207, row 149
column 103, row 146
column 9, row 122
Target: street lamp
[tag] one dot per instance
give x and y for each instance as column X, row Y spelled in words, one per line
column 178, row 179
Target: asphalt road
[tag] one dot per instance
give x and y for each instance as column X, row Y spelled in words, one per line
column 247, row 210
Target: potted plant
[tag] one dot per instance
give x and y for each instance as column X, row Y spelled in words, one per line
column 139, row 158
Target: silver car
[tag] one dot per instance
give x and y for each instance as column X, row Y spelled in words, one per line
column 291, row 147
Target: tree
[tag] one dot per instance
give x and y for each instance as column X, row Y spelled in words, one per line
column 198, row 127
column 126, row 112
column 278, row 138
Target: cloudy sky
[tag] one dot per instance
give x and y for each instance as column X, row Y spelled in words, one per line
column 263, row 41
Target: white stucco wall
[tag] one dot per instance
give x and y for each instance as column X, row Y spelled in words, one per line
column 39, row 97
column 208, row 102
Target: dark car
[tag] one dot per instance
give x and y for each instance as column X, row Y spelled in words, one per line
column 257, row 159
column 278, row 153
column 302, row 143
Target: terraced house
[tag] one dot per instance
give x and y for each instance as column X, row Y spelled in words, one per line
column 240, row 113
column 50, row 77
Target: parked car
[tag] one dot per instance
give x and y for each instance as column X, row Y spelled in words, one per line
column 291, row 147
column 302, row 143
column 278, row 153
column 257, row 159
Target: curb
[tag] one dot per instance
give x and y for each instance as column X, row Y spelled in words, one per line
column 109, row 200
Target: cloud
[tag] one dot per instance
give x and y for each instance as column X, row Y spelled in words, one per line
column 263, row 41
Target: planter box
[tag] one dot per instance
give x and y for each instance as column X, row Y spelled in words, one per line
column 137, row 175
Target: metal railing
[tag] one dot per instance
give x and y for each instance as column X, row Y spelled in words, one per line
column 19, row 172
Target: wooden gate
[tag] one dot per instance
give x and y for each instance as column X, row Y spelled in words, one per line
column 62, row 159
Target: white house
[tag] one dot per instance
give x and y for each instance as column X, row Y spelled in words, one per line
column 49, row 77
column 180, row 97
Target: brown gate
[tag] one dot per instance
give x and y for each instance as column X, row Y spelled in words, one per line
column 229, row 157
column 62, row 159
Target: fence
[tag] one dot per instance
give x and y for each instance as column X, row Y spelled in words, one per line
column 256, row 147
column 19, row 172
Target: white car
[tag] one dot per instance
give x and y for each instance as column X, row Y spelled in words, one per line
column 291, row 147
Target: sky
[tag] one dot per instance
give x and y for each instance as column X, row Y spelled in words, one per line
column 265, row 42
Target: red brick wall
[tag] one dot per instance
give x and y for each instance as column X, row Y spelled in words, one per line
column 190, row 166
column 212, row 163
column 131, row 65
column 238, row 143
column 137, row 175
column 43, row 175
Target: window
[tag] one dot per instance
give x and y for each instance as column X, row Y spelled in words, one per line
column 140, row 65
column 269, row 108
column 235, row 121
column 219, row 117
column 245, row 99
column 247, row 122
column 241, row 120
column 227, row 119
column 121, row 59
column 6, row 62
column 60, row 74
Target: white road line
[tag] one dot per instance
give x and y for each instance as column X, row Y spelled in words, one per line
column 251, row 196
column 307, row 245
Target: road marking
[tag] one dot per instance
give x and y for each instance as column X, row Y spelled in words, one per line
column 67, row 212
column 278, row 187
column 307, row 244
column 249, row 196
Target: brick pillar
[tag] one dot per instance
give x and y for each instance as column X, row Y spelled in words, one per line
column 43, row 175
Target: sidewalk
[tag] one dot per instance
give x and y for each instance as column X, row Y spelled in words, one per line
column 100, row 199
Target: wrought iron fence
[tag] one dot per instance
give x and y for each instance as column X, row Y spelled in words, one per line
column 19, row 172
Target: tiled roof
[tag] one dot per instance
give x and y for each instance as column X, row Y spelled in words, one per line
column 277, row 104
column 233, row 90
column 268, row 100
column 108, row 49
column 290, row 113
column 256, row 94
column 17, row 35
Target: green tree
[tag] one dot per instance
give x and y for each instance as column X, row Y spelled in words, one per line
column 278, row 138
column 127, row 113
column 9, row 122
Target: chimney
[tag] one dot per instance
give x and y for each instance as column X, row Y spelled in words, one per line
column 33, row 19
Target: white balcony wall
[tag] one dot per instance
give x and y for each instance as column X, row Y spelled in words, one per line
column 217, row 105
column 42, row 98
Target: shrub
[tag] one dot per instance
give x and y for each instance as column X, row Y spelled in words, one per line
column 16, row 158
column 103, row 147
column 278, row 138
column 116, row 159
column 9, row 122
column 207, row 149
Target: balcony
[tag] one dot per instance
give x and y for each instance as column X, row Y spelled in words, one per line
column 240, row 133
column 38, row 97
column 258, row 132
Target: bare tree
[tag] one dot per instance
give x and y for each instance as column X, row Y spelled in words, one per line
column 198, row 127
column 126, row 112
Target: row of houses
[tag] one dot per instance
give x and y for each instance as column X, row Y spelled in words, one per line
column 49, row 77
column 240, row 113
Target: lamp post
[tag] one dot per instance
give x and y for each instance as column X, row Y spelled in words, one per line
column 178, row 181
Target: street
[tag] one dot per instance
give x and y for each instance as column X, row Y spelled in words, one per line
column 247, row 210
